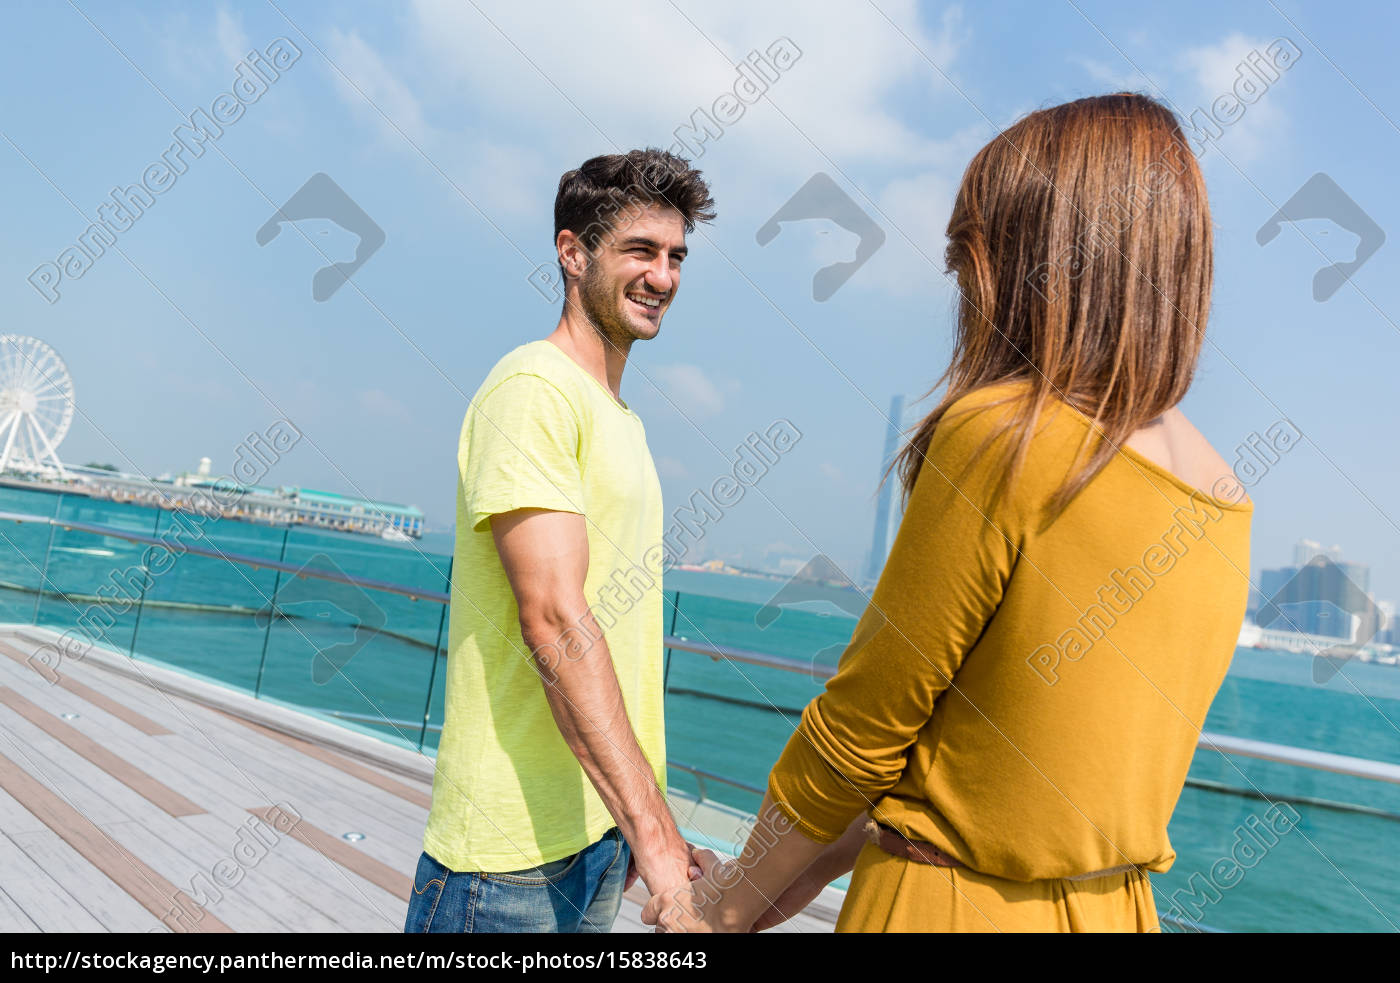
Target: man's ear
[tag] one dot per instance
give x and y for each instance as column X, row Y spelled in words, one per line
column 572, row 254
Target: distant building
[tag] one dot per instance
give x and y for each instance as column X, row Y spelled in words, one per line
column 282, row 505
column 1305, row 549
column 1321, row 596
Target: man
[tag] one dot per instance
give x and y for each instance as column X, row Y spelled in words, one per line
column 548, row 797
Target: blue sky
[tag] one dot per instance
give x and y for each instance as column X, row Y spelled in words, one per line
column 449, row 124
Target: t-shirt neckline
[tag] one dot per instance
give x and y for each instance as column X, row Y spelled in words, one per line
column 616, row 401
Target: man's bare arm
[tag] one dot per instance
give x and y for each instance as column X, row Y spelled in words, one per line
column 545, row 556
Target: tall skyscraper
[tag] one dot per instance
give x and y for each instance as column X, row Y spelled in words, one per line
column 1305, row 549
column 1320, row 596
column 879, row 541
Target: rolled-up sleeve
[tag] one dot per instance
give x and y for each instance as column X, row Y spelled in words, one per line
column 941, row 584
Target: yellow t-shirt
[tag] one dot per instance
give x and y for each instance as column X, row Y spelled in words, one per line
column 542, row 433
column 1027, row 694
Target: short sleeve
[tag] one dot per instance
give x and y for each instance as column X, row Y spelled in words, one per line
column 520, row 450
column 942, row 583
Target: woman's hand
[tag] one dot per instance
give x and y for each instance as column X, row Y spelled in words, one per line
column 699, row 907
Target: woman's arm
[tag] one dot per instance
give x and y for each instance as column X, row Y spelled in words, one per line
column 778, row 874
column 836, row 860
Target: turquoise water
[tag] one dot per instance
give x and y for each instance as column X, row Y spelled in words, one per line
column 1335, row 870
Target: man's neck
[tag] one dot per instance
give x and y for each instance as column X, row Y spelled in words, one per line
column 602, row 359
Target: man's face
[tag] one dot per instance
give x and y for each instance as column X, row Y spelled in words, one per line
column 633, row 273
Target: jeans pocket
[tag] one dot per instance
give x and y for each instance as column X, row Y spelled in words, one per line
column 429, row 882
column 547, row 873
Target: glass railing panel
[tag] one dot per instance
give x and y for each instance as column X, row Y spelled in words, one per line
column 361, row 656
column 23, row 551
column 1250, row 865
column 369, row 557
column 1329, row 872
column 94, row 587
column 123, row 516
column 29, row 501
column 1289, row 698
column 432, row 733
column 208, row 615
column 733, row 719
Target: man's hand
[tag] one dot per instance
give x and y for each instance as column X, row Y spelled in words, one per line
column 699, row 906
column 632, row 872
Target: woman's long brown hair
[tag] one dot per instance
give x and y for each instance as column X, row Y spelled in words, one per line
column 1081, row 243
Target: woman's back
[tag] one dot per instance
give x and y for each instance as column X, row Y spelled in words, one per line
column 1025, row 693
column 1062, row 744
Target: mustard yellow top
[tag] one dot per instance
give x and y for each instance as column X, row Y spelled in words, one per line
column 1027, row 696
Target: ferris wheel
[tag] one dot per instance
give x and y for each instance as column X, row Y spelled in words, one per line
column 36, row 404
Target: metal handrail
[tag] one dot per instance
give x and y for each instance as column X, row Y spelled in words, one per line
column 1243, row 747
column 176, row 544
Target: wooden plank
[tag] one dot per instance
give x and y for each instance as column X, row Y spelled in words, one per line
column 325, row 796
column 223, row 879
column 44, row 900
column 150, row 754
column 77, row 781
column 148, row 888
column 215, row 741
column 320, row 902
column 84, row 781
column 15, row 818
column 397, row 883
column 336, row 760
column 306, row 881
column 12, row 916
column 144, row 724
column 123, row 771
column 105, row 900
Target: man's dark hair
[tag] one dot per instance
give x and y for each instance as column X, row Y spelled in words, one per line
column 594, row 197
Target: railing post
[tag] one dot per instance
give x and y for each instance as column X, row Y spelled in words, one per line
column 145, row 586
column 272, row 613
column 437, row 647
column 48, row 551
column 666, row 669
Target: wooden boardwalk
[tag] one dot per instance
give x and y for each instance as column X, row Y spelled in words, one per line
column 134, row 798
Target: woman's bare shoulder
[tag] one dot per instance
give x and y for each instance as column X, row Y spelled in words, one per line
column 1175, row 444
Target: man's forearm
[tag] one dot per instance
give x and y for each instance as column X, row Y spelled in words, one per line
column 587, row 704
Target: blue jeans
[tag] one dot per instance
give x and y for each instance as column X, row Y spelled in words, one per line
column 581, row 893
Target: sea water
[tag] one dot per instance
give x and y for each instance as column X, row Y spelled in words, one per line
column 373, row 660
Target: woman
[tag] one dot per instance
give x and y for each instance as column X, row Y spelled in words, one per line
column 1010, row 728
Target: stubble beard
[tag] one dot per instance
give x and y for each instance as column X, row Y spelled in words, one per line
column 601, row 309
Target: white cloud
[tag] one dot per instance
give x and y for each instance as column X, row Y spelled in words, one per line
column 1221, row 70
column 692, row 390
column 496, row 175
column 374, row 90
column 567, row 81
column 233, row 42
column 1117, row 77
